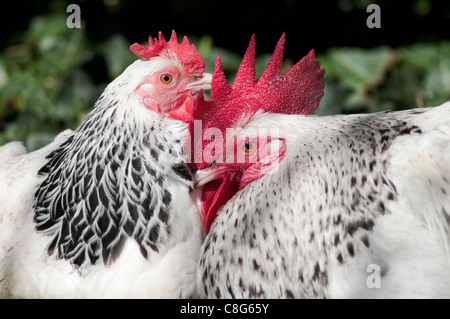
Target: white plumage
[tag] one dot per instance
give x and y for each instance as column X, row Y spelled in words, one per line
column 300, row 206
column 359, row 207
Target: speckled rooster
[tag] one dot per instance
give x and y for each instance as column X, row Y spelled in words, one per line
column 105, row 211
column 324, row 207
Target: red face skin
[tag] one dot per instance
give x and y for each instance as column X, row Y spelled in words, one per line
column 221, row 181
column 172, row 91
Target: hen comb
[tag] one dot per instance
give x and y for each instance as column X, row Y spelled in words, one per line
column 185, row 52
column 298, row 91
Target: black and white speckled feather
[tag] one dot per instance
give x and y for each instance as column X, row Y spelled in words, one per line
column 352, row 191
column 110, row 182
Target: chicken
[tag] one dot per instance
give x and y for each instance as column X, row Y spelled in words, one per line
column 106, row 211
column 301, row 206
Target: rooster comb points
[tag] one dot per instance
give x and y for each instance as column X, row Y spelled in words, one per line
column 185, row 52
column 297, row 91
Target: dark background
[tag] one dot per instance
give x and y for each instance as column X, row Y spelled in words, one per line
column 308, row 24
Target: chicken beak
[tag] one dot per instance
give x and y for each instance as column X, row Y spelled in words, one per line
column 204, row 83
column 218, row 186
column 206, row 175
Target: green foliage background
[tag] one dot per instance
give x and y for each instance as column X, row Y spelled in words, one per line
column 45, row 86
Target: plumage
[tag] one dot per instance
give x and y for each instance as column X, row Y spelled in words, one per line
column 353, row 206
column 106, row 210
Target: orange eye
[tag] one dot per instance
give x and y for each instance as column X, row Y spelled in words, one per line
column 249, row 146
column 166, row 78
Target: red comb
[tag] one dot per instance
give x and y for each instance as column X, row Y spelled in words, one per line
column 185, row 52
column 298, row 91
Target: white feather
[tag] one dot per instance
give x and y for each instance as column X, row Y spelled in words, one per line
column 356, row 198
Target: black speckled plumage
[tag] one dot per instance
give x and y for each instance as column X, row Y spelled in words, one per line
column 107, row 183
column 352, row 191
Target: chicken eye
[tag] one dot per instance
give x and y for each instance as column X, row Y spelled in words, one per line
column 166, row 78
column 249, row 146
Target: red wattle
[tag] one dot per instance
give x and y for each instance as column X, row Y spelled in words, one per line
column 215, row 194
column 183, row 111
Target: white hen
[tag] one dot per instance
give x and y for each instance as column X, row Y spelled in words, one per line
column 348, row 206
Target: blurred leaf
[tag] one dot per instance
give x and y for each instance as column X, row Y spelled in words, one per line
column 358, row 69
column 66, row 53
column 205, row 44
column 38, row 139
column 118, row 56
column 3, row 73
column 400, row 88
column 261, row 61
column 77, row 98
column 333, row 100
column 45, row 90
column 419, row 55
column 230, row 60
column 437, row 80
column 45, row 30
